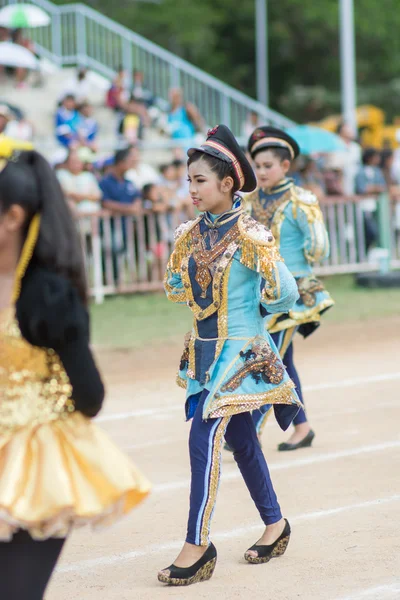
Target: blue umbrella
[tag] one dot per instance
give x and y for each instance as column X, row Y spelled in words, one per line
column 314, row 139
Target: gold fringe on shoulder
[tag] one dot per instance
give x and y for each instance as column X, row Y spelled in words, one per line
column 259, row 250
column 182, row 250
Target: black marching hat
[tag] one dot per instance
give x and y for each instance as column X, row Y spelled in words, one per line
column 271, row 137
column 222, row 144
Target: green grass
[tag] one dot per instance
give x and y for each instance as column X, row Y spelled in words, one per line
column 357, row 304
column 133, row 321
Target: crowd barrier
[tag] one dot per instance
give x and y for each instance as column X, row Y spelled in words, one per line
column 128, row 254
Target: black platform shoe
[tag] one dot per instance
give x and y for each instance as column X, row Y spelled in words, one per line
column 304, row 443
column 202, row 570
column 265, row 553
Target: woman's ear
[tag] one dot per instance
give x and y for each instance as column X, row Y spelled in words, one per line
column 227, row 185
column 14, row 219
column 286, row 165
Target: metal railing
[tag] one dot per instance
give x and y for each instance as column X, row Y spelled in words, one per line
column 129, row 254
column 80, row 35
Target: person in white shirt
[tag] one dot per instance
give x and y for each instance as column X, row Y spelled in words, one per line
column 141, row 173
column 80, row 187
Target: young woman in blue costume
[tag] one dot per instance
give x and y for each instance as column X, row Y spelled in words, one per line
column 58, row 470
column 295, row 219
column 226, row 268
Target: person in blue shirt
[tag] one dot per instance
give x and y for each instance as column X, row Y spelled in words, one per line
column 295, row 219
column 121, row 198
column 183, row 118
column 226, row 268
column 370, row 180
column 67, row 122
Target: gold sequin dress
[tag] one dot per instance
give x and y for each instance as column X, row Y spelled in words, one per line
column 57, row 468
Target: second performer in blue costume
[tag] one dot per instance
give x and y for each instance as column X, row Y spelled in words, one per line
column 294, row 217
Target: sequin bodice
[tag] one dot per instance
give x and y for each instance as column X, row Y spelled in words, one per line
column 34, row 387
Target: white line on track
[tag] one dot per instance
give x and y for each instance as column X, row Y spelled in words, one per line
column 292, row 464
column 153, row 411
column 271, row 423
column 87, row 565
column 381, row 592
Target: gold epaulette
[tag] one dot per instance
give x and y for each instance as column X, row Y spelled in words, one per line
column 304, row 196
column 308, row 202
column 183, row 243
column 259, row 251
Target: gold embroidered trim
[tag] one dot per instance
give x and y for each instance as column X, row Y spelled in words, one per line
column 233, row 404
column 266, row 215
column 259, row 360
column 297, row 318
column 205, row 258
column 204, row 313
column 182, row 383
column 213, row 482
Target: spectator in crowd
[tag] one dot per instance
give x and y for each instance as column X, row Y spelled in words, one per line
column 80, row 187
column 120, row 196
column 154, row 203
column 184, row 119
column 168, row 177
column 153, row 199
column 251, row 123
column 392, row 182
column 78, row 86
column 386, row 165
column 131, row 125
column 117, row 93
column 311, row 177
column 140, row 172
column 333, row 175
column 139, row 90
column 67, row 122
column 370, row 180
column 88, row 128
column 181, row 177
column 347, row 160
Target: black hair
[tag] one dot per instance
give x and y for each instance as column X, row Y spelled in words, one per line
column 164, row 167
column 177, row 163
column 280, row 153
column 385, row 156
column 146, row 190
column 220, row 167
column 122, row 154
column 30, row 182
column 368, row 154
column 68, row 97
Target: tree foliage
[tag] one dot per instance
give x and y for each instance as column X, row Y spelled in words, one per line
column 303, row 47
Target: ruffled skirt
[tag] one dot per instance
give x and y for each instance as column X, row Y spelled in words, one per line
column 63, row 474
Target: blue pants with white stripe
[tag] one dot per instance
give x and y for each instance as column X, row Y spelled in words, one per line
column 205, row 443
column 284, row 342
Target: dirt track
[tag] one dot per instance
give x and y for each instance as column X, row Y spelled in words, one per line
column 342, row 497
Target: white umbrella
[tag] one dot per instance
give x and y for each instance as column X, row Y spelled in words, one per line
column 13, row 55
column 21, row 16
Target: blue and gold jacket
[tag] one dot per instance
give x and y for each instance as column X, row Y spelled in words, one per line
column 228, row 270
column 295, row 219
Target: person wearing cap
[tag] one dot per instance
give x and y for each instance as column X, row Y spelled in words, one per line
column 225, row 266
column 295, row 219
